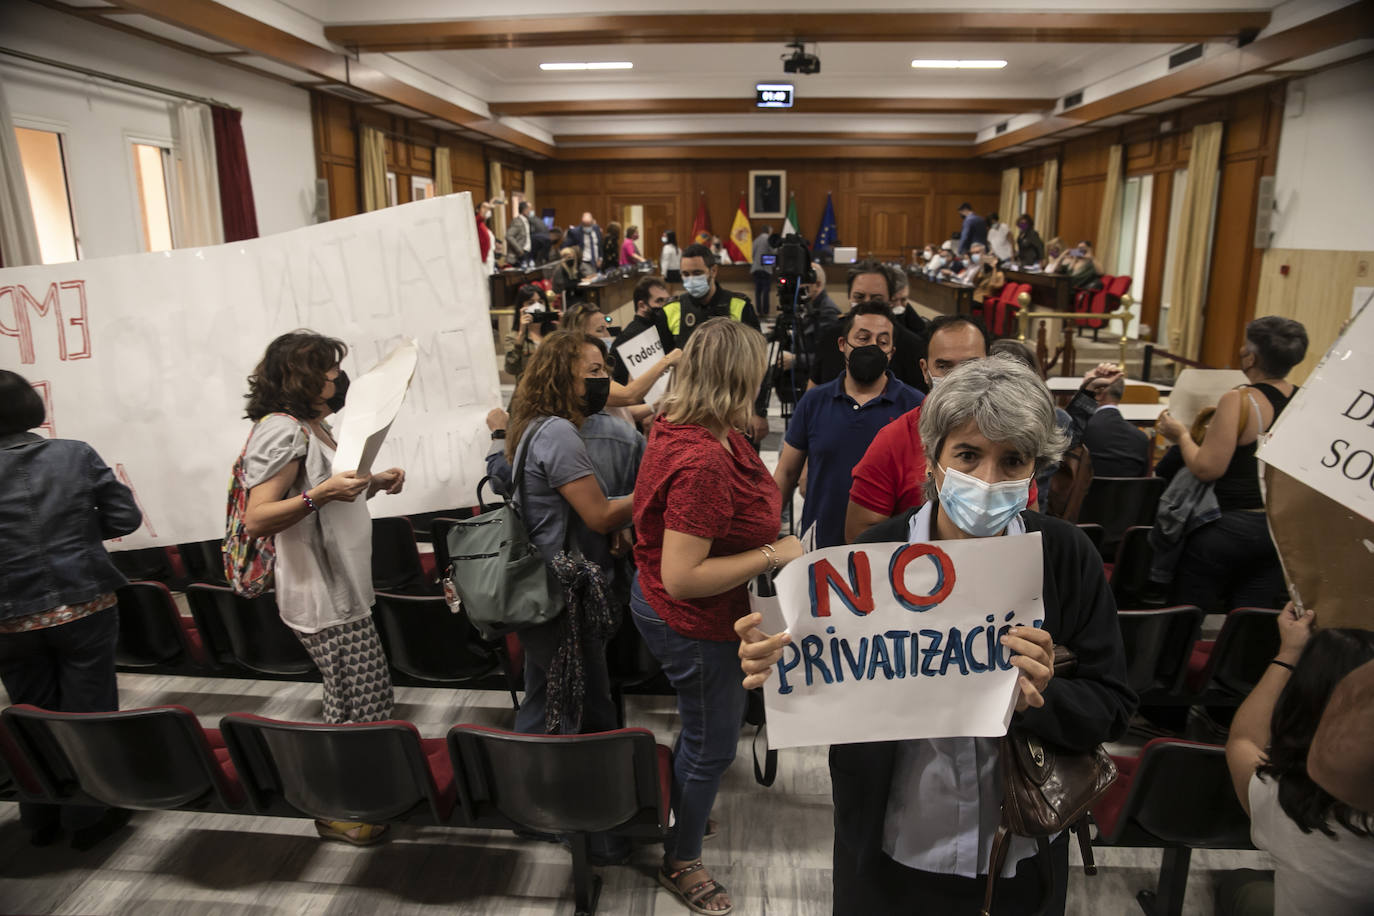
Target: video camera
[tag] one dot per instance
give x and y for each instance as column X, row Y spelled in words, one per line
column 793, row 272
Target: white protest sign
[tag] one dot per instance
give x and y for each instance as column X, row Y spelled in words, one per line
column 898, row 641
column 640, row 354
column 371, row 405
column 1198, row 389
column 1325, row 437
column 146, row 357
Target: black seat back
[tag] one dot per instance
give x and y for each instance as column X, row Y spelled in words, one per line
column 1249, row 638
column 427, row 641
column 1117, row 503
column 248, row 632
column 1158, row 643
column 1182, row 794
column 204, row 561
column 439, row 529
column 558, row 783
column 147, row 563
column 372, row 772
column 155, row 758
column 1131, row 573
column 395, row 557
column 150, row 631
column 1094, row 533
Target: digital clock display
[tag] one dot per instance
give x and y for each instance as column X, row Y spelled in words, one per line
column 773, row 95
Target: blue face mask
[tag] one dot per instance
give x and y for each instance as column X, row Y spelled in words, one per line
column 979, row 508
column 697, row 286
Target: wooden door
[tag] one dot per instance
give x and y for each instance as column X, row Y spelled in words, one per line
column 890, row 226
column 660, row 215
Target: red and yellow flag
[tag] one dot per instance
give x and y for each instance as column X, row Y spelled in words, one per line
column 740, row 244
column 701, row 226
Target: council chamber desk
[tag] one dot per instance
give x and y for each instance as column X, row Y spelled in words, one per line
column 944, row 296
column 1052, row 291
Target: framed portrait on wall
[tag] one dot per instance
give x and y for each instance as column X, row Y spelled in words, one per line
column 767, row 194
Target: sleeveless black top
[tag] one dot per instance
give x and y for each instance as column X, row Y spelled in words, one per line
column 1239, row 488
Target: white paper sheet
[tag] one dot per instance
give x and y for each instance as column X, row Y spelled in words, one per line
column 370, row 408
column 1197, row 389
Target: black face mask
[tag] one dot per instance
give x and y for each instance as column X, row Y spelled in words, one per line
column 598, row 390
column 336, row 403
column 867, row 364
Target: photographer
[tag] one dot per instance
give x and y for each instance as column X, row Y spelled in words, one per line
column 534, row 323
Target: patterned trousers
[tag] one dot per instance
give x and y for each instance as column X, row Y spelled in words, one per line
column 357, row 683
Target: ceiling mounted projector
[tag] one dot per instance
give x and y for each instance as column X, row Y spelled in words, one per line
column 799, row 61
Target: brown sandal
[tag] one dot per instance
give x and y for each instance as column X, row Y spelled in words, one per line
column 354, row 833
column 697, row 894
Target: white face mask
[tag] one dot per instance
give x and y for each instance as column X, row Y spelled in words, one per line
column 976, row 258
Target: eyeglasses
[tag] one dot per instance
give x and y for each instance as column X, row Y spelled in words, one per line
column 860, row 299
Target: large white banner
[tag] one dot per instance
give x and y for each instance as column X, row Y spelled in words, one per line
column 1325, row 437
column 146, row 357
column 896, row 641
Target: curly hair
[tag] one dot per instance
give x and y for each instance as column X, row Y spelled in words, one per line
column 291, row 375
column 548, row 386
column 1329, row 655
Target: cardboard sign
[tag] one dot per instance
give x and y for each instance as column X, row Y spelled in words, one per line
column 640, row 354
column 146, row 357
column 898, row 641
column 372, row 404
column 1325, row 437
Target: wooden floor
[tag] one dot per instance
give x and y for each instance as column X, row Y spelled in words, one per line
column 773, row 851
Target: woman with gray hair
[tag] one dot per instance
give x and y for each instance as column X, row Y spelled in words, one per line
column 915, row 820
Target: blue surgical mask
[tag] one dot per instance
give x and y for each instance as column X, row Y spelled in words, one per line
column 697, row 286
column 979, row 508
column 976, row 258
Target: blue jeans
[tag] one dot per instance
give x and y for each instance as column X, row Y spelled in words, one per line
column 710, row 703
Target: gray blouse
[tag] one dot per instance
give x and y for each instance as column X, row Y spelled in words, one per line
column 323, row 576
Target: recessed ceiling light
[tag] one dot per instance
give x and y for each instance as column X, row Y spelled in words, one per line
column 593, row 65
column 958, row 64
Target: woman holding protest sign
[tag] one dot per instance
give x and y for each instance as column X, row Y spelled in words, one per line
column 915, row 820
column 322, row 530
column 706, row 514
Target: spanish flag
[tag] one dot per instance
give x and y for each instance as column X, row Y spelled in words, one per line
column 740, row 244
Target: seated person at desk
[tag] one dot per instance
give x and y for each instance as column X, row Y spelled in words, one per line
column 567, row 274
column 1118, row 447
column 1054, row 255
column 981, row 273
column 1082, row 268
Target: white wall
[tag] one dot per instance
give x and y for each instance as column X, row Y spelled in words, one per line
column 98, row 119
column 1324, row 185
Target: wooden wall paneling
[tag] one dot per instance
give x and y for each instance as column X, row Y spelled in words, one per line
column 889, row 226
column 1317, row 291
column 343, row 190
column 1226, row 308
column 660, row 214
column 1080, row 206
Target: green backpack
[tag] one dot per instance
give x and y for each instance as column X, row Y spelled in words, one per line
column 500, row 577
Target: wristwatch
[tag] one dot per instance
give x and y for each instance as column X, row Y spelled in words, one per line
column 498, row 434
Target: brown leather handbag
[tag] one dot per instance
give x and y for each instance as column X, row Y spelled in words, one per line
column 1047, row 790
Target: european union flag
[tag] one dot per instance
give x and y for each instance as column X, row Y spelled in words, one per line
column 826, row 236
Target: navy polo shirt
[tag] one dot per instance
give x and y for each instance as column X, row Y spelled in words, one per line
column 834, row 431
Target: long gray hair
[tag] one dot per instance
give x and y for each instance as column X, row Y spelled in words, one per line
column 1007, row 400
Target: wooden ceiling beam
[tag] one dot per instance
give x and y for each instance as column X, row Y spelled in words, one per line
column 760, row 152
column 861, row 136
column 221, row 23
column 739, row 105
column 712, row 28
column 1345, row 24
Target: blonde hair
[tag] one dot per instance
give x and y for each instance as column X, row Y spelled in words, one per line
column 715, row 383
column 569, row 252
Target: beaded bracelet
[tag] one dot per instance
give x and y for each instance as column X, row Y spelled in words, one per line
column 309, row 503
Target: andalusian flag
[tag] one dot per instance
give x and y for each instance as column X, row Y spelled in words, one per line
column 701, row 226
column 790, row 226
column 740, row 244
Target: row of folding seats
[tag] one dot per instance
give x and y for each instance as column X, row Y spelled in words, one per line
column 161, row 758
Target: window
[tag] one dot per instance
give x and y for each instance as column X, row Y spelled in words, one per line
column 421, row 188
column 45, row 173
column 391, row 193
column 152, row 166
column 1133, row 237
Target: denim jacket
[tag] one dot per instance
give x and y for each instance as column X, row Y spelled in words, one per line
column 58, row 502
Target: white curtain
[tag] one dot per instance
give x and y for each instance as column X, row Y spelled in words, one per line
column 1048, row 220
column 529, row 186
column 443, row 171
column 1193, row 241
column 1009, row 204
column 497, row 191
column 196, row 218
column 18, row 237
column 1109, row 219
column 372, row 168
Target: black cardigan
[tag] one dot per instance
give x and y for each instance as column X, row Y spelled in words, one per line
column 1081, row 712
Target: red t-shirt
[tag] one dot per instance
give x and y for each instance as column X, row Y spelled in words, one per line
column 889, row 477
column 690, row 483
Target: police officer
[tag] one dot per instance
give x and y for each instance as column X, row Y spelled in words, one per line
column 702, row 298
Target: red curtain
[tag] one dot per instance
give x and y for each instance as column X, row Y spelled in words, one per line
column 235, row 184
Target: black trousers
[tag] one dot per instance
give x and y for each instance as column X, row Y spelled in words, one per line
column 1229, row 563
column 763, row 288
column 67, row 668
column 893, row 889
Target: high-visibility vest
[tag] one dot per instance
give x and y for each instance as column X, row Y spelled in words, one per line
column 673, row 312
